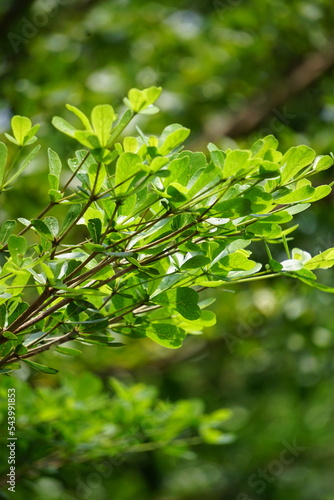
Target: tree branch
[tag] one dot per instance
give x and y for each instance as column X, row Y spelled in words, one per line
column 261, row 105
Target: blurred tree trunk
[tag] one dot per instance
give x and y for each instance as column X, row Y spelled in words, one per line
column 263, row 104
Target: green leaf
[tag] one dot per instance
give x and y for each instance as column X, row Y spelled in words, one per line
column 127, row 165
column 130, row 144
column 53, row 182
column 139, row 100
column 82, row 117
column 71, row 216
column 29, row 138
column 41, row 228
column 320, row 192
column 123, row 122
column 322, row 163
column 305, row 273
column 296, row 209
column 63, row 126
column 217, row 157
column 195, row 262
column 102, row 118
column 6, row 229
column 261, row 201
column 88, row 139
column 166, row 335
column 48, row 273
column 209, row 284
column 269, row 170
column 54, row 194
column 315, row 284
column 275, row 266
column 96, row 182
column 9, row 368
column 176, row 192
column 20, row 126
column 11, row 139
column 95, row 229
column 294, row 160
column 150, row 110
column 55, row 166
column 157, row 163
column 68, row 350
column 297, row 195
column 172, row 136
column 265, row 229
column 184, row 300
column 3, row 160
column 9, row 335
column 211, row 424
column 237, row 261
column 17, row 247
column 323, row 260
column 216, row 436
column 3, row 315
column 280, row 217
column 52, row 224
column 40, row 368
column 26, row 162
column 236, row 162
column 235, row 207
column 207, row 318
column 180, row 171
column 21, row 349
column 92, row 213
column 96, row 324
column 261, row 146
column 204, row 175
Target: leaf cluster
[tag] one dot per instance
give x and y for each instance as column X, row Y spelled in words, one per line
column 158, row 224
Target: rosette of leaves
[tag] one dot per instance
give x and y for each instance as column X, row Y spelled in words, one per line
column 145, row 226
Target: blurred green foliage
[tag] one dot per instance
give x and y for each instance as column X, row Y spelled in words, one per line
column 79, row 423
column 269, row 357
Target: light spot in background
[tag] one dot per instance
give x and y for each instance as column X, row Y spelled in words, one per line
column 58, row 96
column 98, row 18
column 294, row 308
column 308, row 364
column 49, row 487
column 144, row 49
column 310, row 11
column 261, row 359
column 147, row 77
column 186, row 24
column 321, row 337
column 265, row 301
column 104, row 81
column 327, row 113
column 189, row 479
column 317, row 416
column 57, row 42
column 170, row 101
column 295, row 342
column 212, row 88
column 5, row 117
column 26, row 87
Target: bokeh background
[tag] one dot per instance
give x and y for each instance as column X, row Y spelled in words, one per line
column 232, row 71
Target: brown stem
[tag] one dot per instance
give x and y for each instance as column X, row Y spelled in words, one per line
column 41, row 348
column 28, row 312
